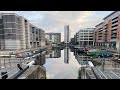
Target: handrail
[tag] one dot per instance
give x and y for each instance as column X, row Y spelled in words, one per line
column 16, row 75
column 7, row 73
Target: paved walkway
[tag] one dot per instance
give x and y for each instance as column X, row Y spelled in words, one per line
column 7, row 52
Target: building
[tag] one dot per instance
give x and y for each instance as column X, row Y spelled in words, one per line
column 54, row 38
column 72, row 41
column 15, row 32
column 9, row 31
column 107, row 32
column 66, row 34
column 66, row 55
column 85, row 37
column 37, row 37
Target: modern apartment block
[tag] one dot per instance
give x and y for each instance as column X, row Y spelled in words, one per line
column 107, row 33
column 66, row 34
column 54, row 38
column 85, row 37
column 37, row 37
column 15, row 33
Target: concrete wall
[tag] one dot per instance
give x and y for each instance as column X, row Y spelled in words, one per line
column 22, row 32
column 34, row 72
column 12, row 44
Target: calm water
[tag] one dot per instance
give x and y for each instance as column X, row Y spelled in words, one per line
column 61, row 64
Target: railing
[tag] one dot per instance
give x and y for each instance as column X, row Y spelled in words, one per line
column 9, row 67
column 9, row 62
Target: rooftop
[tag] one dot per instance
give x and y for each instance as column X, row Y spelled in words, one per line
column 110, row 15
column 99, row 24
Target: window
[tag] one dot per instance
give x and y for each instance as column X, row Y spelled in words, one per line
column 17, row 19
column 114, row 26
column 0, row 21
column 14, row 25
column 1, row 32
column 114, row 22
column 1, row 36
column 14, row 30
column 85, row 30
column 90, row 38
column 8, row 18
column 85, row 38
column 7, row 25
column 1, row 27
column 4, row 18
column 7, row 31
column 10, row 36
column 13, row 18
column 32, row 29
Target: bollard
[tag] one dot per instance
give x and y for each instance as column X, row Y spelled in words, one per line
column 9, row 63
column 4, row 63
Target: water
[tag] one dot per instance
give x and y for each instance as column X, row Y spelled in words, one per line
column 61, row 64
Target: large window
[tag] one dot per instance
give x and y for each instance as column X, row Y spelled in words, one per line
column 10, row 36
column 14, row 25
column 90, row 38
column 9, row 18
column 6, row 31
column 7, row 25
column 0, row 21
column 14, row 30
column 12, row 18
column 85, row 38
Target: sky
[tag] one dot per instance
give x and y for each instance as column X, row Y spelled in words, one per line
column 54, row 21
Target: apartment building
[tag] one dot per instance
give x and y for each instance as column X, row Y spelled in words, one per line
column 54, row 38
column 37, row 37
column 67, row 34
column 15, row 32
column 107, row 33
column 85, row 37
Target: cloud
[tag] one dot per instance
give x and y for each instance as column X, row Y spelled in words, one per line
column 54, row 21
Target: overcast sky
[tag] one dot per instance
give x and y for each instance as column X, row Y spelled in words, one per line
column 54, row 21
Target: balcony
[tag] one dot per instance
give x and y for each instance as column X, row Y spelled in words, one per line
column 114, row 31
column 114, row 28
column 115, row 24
column 114, row 36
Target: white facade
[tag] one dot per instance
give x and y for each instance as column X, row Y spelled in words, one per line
column 12, row 44
column 85, row 37
column 53, row 37
column 66, row 34
column 16, row 33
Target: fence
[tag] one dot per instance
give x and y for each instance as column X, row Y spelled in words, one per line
column 8, row 66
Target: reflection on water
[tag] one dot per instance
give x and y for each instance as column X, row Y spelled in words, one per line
column 62, row 64
column 56, row 53
column 64, row 67
column 82, row 58
column 66, row 55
